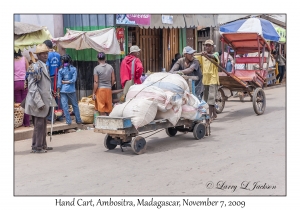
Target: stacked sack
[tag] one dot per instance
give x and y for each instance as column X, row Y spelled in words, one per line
column 86, row 109
column 161, row 96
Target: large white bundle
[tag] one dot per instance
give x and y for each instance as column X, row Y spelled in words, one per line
column 152, row 93
column 167, row 81
column 195, row 102
column 170, row 115
column 189, row 112
column 194, row 108
column 141, row 111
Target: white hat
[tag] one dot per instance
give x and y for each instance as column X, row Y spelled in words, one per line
column 188, row 50
column 134, row 48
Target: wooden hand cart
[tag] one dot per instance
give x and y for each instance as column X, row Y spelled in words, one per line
column 248, row 81
column 120, row 131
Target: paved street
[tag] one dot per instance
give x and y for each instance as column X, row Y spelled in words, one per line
column 245, row 155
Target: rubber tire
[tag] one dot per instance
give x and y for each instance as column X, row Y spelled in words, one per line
column 255, row 107
column 199, row 131
column 138, row 145
column 171, row 131
column 223, row 99
column 107, row 143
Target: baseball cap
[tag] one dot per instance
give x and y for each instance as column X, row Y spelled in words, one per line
column 209, row 41
column 188, row 50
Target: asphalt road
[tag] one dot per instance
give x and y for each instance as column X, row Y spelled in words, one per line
column 245, row 155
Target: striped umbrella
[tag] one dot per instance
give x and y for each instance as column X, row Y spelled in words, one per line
column 261, row 26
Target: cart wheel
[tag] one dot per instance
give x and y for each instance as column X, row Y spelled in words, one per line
column 259, row 101
column 199, row 131
column 107, row 142
column 171, row 131
column 138, row 145
column 220, row 101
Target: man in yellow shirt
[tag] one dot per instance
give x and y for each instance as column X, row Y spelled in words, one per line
column 210, row 76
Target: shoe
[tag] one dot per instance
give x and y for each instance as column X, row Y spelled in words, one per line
column 49, row 121
column 40, row 151
column 33, row 151
column 60, row 119
column 48, row 148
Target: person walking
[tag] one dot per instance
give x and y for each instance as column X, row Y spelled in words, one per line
column 20, row 92
column 53, row 64
column 104, row 78
column 210, row 76
column 39, row 99
column 189, row 66
column 67, row 76
column 126, row 65
column 281, row 66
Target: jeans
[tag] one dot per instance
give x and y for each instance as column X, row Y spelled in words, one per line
column 20, row 94
column 49, row 117
column 281, row 73
column 64, row 101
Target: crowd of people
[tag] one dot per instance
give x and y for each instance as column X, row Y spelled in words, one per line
column 50, row 83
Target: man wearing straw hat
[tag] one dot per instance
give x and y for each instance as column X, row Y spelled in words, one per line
column 39, row 99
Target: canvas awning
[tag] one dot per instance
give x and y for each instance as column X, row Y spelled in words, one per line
column 200, row 20
column 104, row 40
column 25, row 28
column 156, row 22
column 27, row 35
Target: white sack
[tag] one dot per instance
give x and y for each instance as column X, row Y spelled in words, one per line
column 141, row 111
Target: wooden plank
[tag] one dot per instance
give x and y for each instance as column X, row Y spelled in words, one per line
column 157, row 45
column 146, row 54
column 138, row 36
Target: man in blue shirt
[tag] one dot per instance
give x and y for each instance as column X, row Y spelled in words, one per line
column 53, row 64
column 67, row 76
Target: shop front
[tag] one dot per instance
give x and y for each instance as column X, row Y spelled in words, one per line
column 162, row 37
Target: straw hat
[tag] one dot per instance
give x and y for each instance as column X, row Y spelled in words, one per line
column 40, row 48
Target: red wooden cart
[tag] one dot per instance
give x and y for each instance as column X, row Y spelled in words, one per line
column 250, row 81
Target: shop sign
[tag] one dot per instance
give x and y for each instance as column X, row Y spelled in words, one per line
column 120, row 38
column 167, row 19
column 133, row 19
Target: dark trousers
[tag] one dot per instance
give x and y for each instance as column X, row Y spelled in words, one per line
column 281, row 70
column 39, row 133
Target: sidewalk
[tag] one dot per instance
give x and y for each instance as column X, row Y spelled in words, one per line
column 22, row 133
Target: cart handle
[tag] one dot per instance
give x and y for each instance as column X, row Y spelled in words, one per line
column 224, row 70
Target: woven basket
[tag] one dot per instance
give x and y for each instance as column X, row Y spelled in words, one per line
column 19, row 115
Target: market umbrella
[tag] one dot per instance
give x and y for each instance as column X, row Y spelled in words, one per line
column 261, row 26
